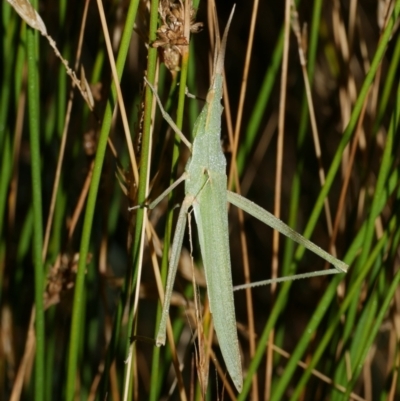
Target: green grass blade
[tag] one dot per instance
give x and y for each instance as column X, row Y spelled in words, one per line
column 34, row 131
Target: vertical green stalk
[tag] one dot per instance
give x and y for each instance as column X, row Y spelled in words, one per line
column 117, row 325
column 6, row 167
column 34, row 136
column 8, row 23
column 144, row 167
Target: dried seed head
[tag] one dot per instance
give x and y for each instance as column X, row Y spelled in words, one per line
column 171, row 34
column 29, row 15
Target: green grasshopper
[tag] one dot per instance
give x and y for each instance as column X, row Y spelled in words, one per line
column 206, row 193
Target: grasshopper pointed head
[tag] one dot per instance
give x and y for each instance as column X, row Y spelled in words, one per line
column 219, row 66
